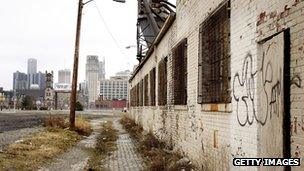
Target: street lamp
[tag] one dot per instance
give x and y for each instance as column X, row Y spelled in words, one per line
column 131, row 46
column 76, row 61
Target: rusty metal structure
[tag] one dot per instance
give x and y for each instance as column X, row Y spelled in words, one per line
column 152, row 15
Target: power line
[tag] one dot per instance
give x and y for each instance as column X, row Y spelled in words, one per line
column 110, row 33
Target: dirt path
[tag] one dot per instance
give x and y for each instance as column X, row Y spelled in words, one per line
column 125, row 158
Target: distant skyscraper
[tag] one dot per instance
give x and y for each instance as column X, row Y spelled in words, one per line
column 31, row 66
column 102, row 70
column 40, row 80
column 20, row 81
column 31, row 71
column 92, row 78
column 64, row 76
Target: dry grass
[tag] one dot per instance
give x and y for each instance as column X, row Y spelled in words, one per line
column 55, row 122
column 106, row 140
column 106, row 143
column 133, row 129
column 153, row 150
column 35, row 151
column 83, row 127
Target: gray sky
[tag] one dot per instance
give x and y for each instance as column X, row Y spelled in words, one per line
column 45, row 30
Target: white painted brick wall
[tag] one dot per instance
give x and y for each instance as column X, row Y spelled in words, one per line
column 191, row 130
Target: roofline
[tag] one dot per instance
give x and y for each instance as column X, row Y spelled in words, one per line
column 169, row 21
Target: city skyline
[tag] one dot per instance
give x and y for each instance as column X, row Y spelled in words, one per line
column 29, row 70
column 50, row 36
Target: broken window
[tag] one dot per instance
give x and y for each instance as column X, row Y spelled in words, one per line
column 214, row 58
column 146, row 95
column 180, row 73
column 162, row 82
column 152, row 87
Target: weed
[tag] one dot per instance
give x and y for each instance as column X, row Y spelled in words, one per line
column 35, row 151
column 105, row 144
column 133, row 129
column 83, row 127
column 157, row 158
column 55, row 122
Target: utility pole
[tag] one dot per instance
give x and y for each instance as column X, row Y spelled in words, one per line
column 75, row 68
column 76, row 60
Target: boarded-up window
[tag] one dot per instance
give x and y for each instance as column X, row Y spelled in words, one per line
column 137, row 95
column 141, row 97
column 133, row 96
column 162, row 82
column 180, row 73
column 146, row 90
column 152, row 87
column 214, row 58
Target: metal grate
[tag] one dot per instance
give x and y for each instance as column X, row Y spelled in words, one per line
column 146, row 90
column 133, row 97
column 180, row 73
column 214, row 58
column 141, row 97
column 162, row 82
column 152, row 87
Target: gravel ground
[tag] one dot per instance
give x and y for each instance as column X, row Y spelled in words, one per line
column 9, row 137
column 10, row 122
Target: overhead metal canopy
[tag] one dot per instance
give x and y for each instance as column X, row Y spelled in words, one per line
column 152, row 15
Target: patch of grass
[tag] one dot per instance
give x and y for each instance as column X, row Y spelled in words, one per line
column 157, row 158
column 131, row 127
column 83, row 127
column 105, row 145
column 35, row 151
column 55, row 122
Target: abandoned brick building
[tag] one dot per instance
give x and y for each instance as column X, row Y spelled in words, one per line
column 223, row 79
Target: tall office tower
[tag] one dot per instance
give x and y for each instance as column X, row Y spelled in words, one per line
column 102, row 70
column 64, row 76
column 31, row 66
column 19, row 81
column 31, row 71
column 92, row 78
column 40, row 80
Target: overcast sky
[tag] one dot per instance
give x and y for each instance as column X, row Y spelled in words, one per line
column 45, row 30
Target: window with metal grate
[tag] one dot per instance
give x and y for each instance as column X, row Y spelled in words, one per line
column 137, row 94
column 152, row 87
column 146, row 90
column 141, row 97
column 179, row 66
column 162, row 82
column 214, row 58
column 133, row 96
